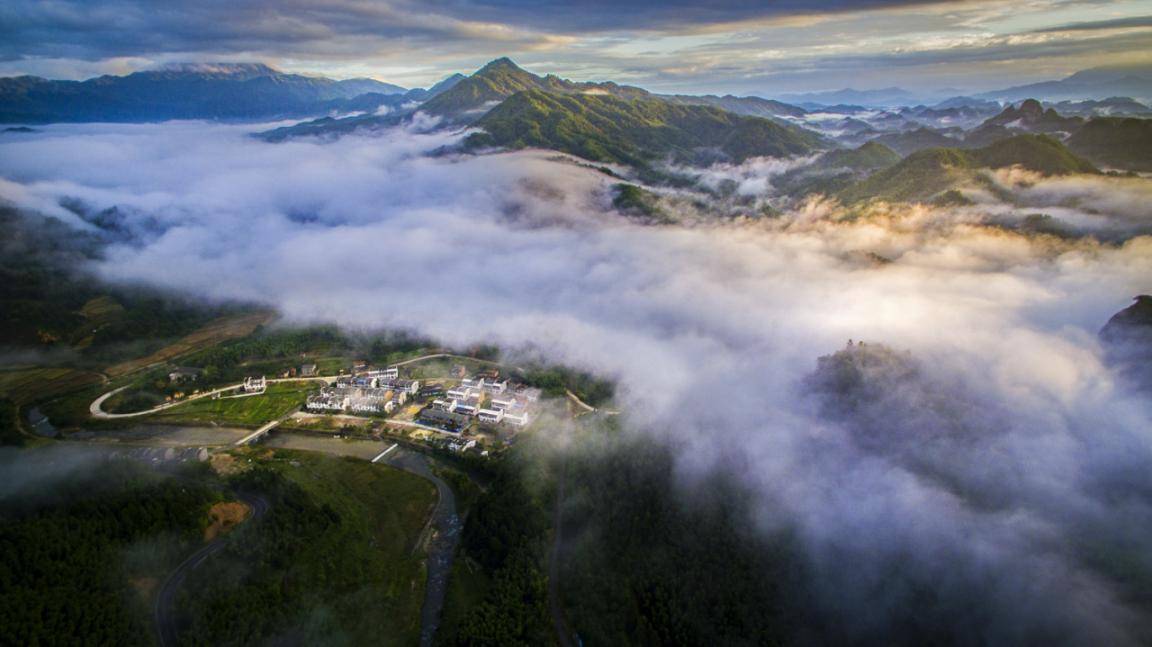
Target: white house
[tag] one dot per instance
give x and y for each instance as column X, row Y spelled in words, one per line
column 465, row 409
column 491, row 416
column 461, row 393
column 502, row 402
column 519, row 419
column 254, row 384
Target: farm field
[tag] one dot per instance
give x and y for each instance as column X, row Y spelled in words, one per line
column 278, row 400
column 217, row 331
column 24, row 385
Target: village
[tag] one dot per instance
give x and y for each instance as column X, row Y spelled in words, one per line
column 484, row 401
column 456, row 404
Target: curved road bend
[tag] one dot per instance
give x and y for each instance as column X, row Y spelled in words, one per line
column 163, row 611
column 96, row 410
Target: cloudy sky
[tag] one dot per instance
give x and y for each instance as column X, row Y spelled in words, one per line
column 741, row 46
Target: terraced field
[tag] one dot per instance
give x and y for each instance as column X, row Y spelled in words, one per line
column 24, row 385
column 220, row 330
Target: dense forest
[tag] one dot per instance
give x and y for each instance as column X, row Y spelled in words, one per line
column 75, row 554
column 332, row 561
column 644, row 564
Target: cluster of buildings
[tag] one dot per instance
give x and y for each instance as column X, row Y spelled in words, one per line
column 489, row 399
column 369, row 392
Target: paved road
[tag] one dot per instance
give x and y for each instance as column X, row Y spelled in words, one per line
column 164, row 609
column 439, row 355
column 98, row 412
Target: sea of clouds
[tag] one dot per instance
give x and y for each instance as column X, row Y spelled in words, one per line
column 1009, row 507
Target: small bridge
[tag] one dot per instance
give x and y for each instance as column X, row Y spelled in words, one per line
column 259, row 433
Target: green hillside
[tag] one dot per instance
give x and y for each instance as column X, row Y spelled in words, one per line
column 927, row 173
column 836, row 170
column 907, row 143
column 1113, row 141
column 633, row 131
column 501, row 79
column 868, row 157
column 1036, row 152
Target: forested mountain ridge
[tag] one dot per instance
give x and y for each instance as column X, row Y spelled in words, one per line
column 606, row 128
column 218, row 91
column 927, row 173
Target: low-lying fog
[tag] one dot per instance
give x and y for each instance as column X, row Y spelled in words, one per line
column 998, row 501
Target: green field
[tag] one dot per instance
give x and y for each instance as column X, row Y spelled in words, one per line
column 277, row 401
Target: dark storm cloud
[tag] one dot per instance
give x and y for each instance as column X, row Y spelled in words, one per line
column 612, row 15
column 85, row 30
column 79, row 29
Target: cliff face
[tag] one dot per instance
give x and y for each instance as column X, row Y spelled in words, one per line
column 1127, row 340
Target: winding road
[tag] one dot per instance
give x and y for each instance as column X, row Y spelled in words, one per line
column 163, row 611
column 97, row 410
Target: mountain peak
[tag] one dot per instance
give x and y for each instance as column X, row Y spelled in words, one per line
column 502, row 63
column 1031, row 108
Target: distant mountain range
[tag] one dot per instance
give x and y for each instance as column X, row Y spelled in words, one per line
column 218, row 91
column 885, row 97
column 1125, row 81
column 1134, row 81
column 606, row 121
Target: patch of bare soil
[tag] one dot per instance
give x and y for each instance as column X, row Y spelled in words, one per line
column 224, row 517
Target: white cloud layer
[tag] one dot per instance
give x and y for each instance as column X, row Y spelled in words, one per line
column 710, row 332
